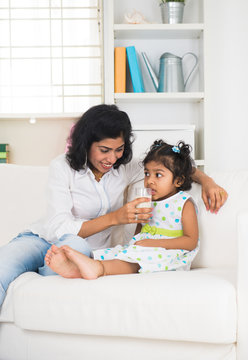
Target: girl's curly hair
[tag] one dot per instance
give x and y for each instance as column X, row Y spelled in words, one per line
column 175, row 158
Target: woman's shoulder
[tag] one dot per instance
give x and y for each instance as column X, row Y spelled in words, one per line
column 133, row 170
column 59, row 160
column 60, row 163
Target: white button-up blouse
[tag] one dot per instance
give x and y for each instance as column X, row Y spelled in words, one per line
column 75, row 197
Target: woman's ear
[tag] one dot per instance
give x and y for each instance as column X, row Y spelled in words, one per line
column 179, row 181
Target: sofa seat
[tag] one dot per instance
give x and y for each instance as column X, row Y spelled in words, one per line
column 122, row 306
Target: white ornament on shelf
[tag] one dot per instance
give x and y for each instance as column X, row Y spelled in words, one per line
column 135, row 17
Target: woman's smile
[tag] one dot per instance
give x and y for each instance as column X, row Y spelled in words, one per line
column 104, row 154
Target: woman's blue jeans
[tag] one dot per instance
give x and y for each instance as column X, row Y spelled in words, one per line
column 26, row 252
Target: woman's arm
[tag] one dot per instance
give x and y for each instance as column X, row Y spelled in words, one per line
column 125, row 215
column 60, row 219
column 213, row 195
column 190, row 233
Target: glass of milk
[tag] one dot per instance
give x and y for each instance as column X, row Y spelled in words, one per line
column 144, row 192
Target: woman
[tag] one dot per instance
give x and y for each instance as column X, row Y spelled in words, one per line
column 85, row 195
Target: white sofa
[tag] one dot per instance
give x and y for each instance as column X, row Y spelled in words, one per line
column 196, row 315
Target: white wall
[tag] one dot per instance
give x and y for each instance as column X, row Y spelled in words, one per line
column 34, row 144
column 226, row 83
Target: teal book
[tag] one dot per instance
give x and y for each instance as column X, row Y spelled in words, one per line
column 135, row 71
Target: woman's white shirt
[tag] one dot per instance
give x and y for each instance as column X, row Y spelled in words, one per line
column 75, row 197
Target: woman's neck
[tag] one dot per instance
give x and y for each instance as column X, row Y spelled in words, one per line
column 98, row 174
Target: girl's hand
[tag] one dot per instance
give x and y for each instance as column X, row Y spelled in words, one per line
column 213, row 195
column 130, row 214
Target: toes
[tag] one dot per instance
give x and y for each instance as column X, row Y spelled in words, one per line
column 66, row 247
column 54, row 249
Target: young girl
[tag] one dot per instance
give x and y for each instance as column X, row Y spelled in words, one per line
column 168, row 242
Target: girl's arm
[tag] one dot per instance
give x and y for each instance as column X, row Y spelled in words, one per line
column 190, row 233
column 213, row 195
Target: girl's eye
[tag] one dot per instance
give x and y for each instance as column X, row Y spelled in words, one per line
column 104, row 151
column 146, row 174
column 158, row 175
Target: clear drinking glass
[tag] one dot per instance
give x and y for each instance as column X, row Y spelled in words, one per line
column 144, row 192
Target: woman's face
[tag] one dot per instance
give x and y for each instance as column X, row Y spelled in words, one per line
column 104, row 154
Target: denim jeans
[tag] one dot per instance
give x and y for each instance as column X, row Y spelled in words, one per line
column 26, row 252
column 75, row 242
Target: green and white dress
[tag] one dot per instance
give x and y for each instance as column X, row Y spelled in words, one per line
column 165, row 223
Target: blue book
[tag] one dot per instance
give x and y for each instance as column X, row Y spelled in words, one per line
column 135, row 71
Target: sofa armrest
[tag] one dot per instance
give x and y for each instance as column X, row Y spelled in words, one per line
column 242, row 287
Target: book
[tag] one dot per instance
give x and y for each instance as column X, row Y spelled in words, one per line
column 4, row 147
column 135, row 71
column 3, row 155
column 120, row 69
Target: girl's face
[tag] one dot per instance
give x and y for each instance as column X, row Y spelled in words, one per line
column 160, row 180
column 104, row 154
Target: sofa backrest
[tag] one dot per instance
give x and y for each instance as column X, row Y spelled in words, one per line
column 218, row 232
column 23, row 201
column 22, row 198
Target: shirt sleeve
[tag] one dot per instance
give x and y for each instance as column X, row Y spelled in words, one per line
column 134, row 171
column 60, row 219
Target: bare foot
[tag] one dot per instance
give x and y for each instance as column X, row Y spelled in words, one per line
column 50, row 252
column 90, row 269
column 57, row 260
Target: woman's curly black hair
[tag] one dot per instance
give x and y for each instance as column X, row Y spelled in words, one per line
column 98, row 123
column 178, row 161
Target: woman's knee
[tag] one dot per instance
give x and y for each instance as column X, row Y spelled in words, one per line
column 75, row 242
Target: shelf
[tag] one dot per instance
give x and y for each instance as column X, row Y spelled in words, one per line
column 27, row 116
column 164, row 127
column 159, row 97
column 158, row 31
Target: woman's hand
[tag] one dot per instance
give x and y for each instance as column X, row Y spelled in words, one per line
column 213, row 195
column 130, row 214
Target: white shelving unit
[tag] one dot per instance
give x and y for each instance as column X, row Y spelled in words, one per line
column 158, row 97
column 158, row 31
column 184, row 109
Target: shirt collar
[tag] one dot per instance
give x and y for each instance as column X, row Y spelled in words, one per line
column 87, row 170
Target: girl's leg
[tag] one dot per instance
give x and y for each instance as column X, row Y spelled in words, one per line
column 92, row 269
column 24, row 253
column 75, row 242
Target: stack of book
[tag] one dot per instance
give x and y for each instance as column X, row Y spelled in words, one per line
column 129, row 53
column 4, row 153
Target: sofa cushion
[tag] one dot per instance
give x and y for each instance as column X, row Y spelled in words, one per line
column 168, row 305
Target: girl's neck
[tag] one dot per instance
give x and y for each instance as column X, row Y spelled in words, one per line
column 167, row 196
